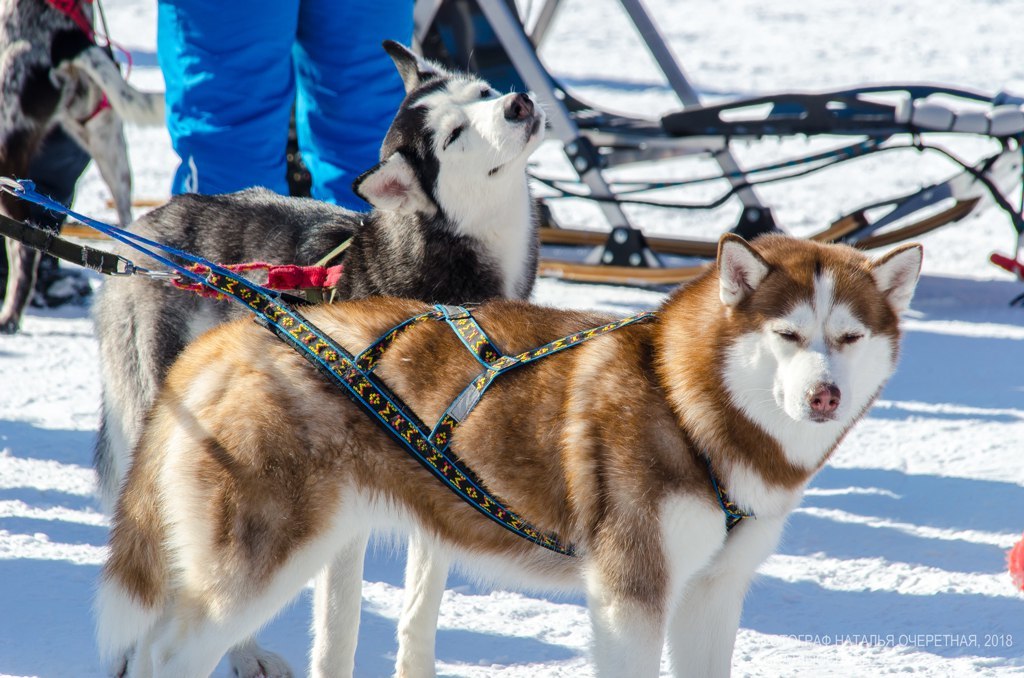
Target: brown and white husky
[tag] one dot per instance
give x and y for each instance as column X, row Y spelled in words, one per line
column 255, row 474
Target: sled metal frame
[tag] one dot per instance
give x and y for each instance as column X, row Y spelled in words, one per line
column 581, row 145
column 594, row 140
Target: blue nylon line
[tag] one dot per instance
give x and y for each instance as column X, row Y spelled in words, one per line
column 409, row 446
column 451, row 323
column 28, row 192
column 113, row 232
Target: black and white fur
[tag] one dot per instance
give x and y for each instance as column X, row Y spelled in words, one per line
column 52, row 74
column 452, row 223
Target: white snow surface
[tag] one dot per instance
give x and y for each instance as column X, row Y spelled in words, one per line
column 894, row 563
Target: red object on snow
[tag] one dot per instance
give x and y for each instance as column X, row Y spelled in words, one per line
column 1011, row 265
column 1016, row 564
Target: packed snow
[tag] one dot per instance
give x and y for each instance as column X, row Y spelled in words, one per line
column 896, row 560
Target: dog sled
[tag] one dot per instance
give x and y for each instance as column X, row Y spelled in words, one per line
column 489, row 37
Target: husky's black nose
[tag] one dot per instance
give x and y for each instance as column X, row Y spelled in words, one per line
column 519, row 107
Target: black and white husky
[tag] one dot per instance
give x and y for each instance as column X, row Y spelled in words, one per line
column 452, row 223
column 53, row 74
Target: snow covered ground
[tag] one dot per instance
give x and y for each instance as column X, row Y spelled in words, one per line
column 894, row 563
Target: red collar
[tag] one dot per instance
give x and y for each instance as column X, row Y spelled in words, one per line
column 100, row 107
column 73, row 10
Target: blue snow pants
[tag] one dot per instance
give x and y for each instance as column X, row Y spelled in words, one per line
column 233, row 68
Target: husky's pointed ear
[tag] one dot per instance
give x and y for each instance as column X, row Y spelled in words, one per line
column 740, row 269
column 414, row 70
column 394, row 187
column 896, row 274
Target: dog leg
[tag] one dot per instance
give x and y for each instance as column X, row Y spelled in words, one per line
column 201, row 620
column 197, row 630
column 336, row 605
column 140, row 332
column 703, row 628
column 102, row 136
column 22, row 265
column 426, row 572
column 627, row 613
column 186, row 645
column 628, row 633
column 138, row 662
column 249, row 660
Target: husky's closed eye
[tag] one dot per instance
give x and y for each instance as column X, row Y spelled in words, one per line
column 455, row 133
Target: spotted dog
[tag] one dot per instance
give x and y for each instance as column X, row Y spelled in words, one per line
column 53, row 74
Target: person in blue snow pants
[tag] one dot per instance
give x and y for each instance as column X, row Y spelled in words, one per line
column 233, row 69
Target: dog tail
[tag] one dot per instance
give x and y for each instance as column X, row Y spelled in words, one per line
column 112, row 453
column 107, row 484
column 136, row 343
column 134, row 585
column 135, row 107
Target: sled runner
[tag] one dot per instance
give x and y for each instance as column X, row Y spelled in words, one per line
column 488, row 37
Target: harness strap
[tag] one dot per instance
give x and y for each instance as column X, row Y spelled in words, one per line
column 733, row 513
column 303, row 281
column 366, row 389
column 74, row 11
column 367, row 360
column 441, row 435
column 104, row 104
column 495, row 362
column 48, row 242
column 471, row 334
column 295, row 277
column 476, row 340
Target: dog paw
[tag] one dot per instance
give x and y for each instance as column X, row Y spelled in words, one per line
column 252, row 661
column 61, row 287
column 9, row 326
column 119, row 667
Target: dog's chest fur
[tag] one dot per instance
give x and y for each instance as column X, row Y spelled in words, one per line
column 435, row 260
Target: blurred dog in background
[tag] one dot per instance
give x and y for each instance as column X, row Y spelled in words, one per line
column 58, row 88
